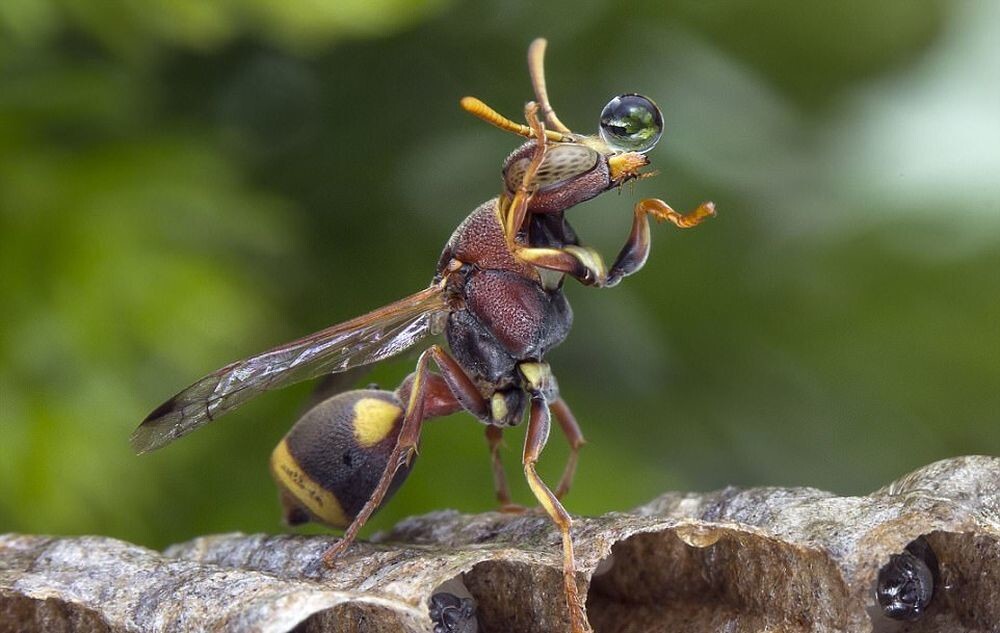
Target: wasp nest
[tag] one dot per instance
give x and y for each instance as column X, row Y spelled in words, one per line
column 921, row 554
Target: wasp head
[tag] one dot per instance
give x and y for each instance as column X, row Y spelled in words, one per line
column 578, row 167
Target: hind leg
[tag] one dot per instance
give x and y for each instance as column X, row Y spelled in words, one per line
column 426, row 395
column 574, row 436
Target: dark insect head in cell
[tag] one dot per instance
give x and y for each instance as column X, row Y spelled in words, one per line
column 451, row 614
column 906, row 583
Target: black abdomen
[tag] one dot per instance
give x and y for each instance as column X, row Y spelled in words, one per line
column 331, row 461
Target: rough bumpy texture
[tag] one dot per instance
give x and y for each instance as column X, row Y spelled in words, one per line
column 767, row 559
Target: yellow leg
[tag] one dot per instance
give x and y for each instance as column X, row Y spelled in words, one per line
column 538, row 382
column 662, row 211
column 534, row 442
column 633, row 255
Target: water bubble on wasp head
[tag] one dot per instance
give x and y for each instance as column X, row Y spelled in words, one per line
column 631, row 123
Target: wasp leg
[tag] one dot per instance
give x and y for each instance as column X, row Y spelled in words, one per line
column 636, row 249
column 426, row 400
column 535, row 438
column 539, row 383
column 574, row 436
column 495, row 411
column 580, row 262
column 459, row 384
column 570, row 428
column 494, row 437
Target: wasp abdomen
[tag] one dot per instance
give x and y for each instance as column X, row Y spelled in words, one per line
column 330, row 462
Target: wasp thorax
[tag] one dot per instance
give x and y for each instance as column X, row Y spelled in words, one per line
column 631, row 123
column 330, row 462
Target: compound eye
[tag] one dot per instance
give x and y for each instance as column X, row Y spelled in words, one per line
column 631, row 123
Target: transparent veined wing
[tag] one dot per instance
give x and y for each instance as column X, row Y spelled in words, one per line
column 366, row 339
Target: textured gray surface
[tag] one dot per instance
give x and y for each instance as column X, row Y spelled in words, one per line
column 764, row 559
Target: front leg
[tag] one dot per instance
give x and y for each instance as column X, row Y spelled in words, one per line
column 580, row 262
column 636, row 249
column 585, row 264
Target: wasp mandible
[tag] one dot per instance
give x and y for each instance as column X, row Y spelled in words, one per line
column 496, row 295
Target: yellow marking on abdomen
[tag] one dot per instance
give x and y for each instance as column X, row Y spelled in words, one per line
column 320, row 502
column 373, row 420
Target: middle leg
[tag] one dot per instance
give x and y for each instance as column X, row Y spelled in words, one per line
column 574, row 437
column 538, row 382
column 536, row 436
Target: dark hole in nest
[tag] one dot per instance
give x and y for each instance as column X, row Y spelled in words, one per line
column 723, row 578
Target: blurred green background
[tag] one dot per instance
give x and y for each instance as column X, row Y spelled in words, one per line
column 187, row 182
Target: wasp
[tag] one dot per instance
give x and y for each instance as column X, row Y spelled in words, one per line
column 496, row 295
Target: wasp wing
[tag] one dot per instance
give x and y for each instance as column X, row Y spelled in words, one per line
column 366, row 339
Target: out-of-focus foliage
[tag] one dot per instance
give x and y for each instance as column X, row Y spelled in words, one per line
column 186, row 183
column 139, row 29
